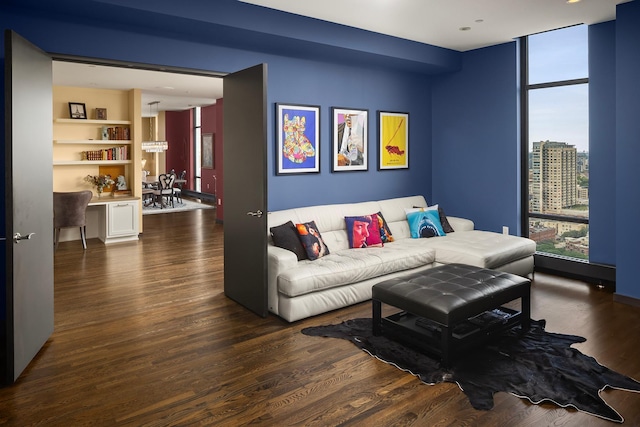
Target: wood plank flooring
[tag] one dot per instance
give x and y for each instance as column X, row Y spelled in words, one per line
column 144, row 336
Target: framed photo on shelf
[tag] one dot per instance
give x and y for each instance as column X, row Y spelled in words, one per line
column 207, row 151
column 393, row 140
column 350, row 149
column 101, row 114
column 297, row 139
column 77, row 110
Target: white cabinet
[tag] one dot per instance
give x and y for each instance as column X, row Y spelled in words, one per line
column 118, row 219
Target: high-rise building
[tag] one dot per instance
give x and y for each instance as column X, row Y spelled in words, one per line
column 553, row 177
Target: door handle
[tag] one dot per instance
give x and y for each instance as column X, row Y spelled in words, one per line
column 257, row 213
column 17, row 237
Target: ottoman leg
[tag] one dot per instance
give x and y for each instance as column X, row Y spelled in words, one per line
column 446, row 346
column 377, row 317
column 525, row 300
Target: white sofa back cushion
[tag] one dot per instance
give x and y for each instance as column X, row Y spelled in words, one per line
column 330, row 218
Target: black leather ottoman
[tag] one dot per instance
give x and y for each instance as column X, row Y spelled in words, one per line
column 450, row 307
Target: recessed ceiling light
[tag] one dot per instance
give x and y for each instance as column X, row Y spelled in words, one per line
column 479, row 20
column 465, row 28
column 572, row 1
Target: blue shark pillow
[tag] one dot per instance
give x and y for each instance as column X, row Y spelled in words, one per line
column 425, row 224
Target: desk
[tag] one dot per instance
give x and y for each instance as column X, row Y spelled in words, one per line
column 117, row 218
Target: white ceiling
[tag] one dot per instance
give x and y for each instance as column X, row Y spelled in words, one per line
column 438, row 22
column 175, row 92
column 435, row 22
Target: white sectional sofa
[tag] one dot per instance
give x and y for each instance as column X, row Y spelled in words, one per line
column 300, row 289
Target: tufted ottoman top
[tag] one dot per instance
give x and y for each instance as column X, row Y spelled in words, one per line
column 451, row 293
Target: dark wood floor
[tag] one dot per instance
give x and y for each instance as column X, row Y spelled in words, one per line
column 144, row 336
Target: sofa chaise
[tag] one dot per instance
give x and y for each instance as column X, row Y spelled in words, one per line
column 302, row 288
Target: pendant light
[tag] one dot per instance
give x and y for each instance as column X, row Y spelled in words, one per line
column 153, row 146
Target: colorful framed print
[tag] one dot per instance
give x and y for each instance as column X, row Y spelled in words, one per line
column 297, row 139
column 350, row 150
column 393, row 140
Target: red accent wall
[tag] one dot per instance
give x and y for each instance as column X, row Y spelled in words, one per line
column 208, row 122
column 180, row 155
column 218, row 167
column 179, row 133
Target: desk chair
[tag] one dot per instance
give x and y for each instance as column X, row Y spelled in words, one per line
column 69, row 210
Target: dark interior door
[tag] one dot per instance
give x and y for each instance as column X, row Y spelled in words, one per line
column 29, row 204
column 245, row 188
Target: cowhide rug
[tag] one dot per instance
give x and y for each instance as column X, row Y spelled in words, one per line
column 539, row 366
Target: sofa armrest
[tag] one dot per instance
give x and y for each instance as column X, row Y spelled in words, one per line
column 460, row 224
column 278, row 260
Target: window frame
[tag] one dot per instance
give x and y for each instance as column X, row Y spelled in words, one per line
column 557, row 264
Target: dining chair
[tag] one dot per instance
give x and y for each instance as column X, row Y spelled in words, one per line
column 69, row 210
column 177, row 190
column 165, row 189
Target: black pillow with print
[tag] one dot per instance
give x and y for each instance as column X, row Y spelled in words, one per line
column 286, row 236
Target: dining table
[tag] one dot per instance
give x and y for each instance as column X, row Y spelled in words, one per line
column 152, row 183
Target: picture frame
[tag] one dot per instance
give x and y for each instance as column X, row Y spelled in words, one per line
column 350, row 148
column 77, row 110
column 207, row 151
column 101, row 113
column 393, row 140
column 297, row 139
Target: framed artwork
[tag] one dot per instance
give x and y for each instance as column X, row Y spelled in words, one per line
column 297, row 139
column 207, row 151
column 350, row 151
column 101, row 114
column 393, row 140
column 77, row 110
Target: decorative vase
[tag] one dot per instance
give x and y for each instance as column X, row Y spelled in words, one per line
column 99, row 188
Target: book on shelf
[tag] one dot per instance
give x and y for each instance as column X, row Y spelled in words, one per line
column 116, row 133
column 113, row 153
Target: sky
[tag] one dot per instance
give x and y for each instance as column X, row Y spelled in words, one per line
column 559, row 114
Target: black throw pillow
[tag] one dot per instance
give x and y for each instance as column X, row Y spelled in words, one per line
column 286, row 236
column 444, row 221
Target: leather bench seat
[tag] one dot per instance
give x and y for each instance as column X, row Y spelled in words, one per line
column 448, row 295
column 451, row 293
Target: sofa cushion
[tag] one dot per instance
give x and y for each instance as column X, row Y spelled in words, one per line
column 444, row 221
column 363, row 231
column 312, row 240
column 481, row 248
column 425, row 223
column 385, row 233
column 349, row 266
column 286, row 236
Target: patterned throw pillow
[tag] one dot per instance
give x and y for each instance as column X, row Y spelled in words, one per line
column 286, row 236
column 385, row 233
column 425, row 224
column 363, row 231
column 312, row 241
column 443, row 218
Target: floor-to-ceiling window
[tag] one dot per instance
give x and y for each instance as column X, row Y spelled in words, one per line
column 556, row 128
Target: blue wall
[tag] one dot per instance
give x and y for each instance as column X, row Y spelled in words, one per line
column 627, row 148
column 385, row 74
column 476, row 141
column 342, row 86
column 464, row 122
column 602, row 143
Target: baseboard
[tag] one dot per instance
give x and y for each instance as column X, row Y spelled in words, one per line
column 598, row 274
column 198, row 195
column 623, row 299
